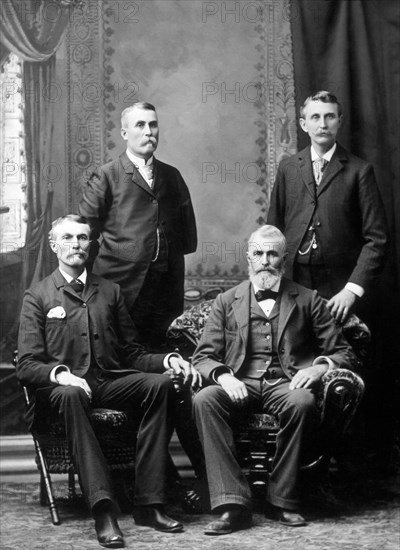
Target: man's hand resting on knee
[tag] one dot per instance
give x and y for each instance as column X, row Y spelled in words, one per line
column 236, row 389
column 65, row 378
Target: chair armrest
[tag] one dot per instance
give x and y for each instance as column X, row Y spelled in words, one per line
column 341, row 392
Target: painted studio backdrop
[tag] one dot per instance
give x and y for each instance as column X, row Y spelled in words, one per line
column 227, row 79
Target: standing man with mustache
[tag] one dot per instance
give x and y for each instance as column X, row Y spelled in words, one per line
column 327, row 203
column 265, row 347
column 143, row 215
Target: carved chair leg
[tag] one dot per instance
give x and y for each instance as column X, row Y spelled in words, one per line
column 45, row 485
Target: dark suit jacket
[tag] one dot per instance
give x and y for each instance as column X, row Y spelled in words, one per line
column 96, row 322
column 351, row 225
column 306, row 331
column 126, row 212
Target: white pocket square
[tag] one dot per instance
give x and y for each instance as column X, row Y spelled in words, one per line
column 56, row 313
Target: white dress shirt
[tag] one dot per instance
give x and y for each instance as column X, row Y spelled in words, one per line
column 139, row 163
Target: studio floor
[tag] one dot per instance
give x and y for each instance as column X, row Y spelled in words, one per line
column 344, row 516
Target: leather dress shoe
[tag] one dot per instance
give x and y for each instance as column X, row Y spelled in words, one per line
column 154, row 516
column 233, row 519
column 108, row 532
column 289, row 518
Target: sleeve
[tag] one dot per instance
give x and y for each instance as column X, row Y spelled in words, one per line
column 33, row 368
column 276, row 212
column 96, row 200
column 374, row 233
column 210, row 352
column 188, row 218
column 332, row 345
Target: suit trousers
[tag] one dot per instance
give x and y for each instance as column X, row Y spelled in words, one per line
column 150, row 397
column 159, row 301
column 215, row 416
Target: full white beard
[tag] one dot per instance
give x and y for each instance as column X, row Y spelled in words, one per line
column 265, row 279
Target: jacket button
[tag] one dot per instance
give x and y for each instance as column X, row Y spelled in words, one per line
column 84, row 304
column 282, row 350
column 154, row 201
column 318, row 224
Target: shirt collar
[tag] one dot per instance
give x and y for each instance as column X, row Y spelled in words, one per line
column 137, row 161
column 327, row 156
column 82, row 277
column 275, row 287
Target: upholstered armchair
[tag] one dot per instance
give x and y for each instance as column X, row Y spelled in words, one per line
column 339, row 396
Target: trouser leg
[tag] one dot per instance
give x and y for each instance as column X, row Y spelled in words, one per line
column 188, row 436
column 226, row 481
column 72, row 403
column 297, row 414
column 160, row 300
column 152, row 397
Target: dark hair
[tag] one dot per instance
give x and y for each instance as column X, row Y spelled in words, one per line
column 68, row 217
column 325, row 97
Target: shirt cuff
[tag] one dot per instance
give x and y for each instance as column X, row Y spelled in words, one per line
column 355, row 289
column 218, row 371
column 323, row 359
column 168, row 357
column 56, row 370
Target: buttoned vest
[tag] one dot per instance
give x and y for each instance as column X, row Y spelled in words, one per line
column 262, row 347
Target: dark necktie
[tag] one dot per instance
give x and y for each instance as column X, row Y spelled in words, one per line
column 266, row 294
column 77, row 285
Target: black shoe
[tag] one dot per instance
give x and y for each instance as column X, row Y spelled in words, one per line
column 154, row 516
column 233, row 519
column 108, row 532
column 289, row 517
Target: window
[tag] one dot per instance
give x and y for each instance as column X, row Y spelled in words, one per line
column 12, row 154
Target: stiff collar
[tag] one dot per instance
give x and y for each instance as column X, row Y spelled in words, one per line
column 137, row 161
column 328, row 155
column 82, row 277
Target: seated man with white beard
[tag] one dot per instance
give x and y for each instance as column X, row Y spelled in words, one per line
column 265, row 347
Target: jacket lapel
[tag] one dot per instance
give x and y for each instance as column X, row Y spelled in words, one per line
column 61, row 283
column 90, row 289
column 241, row 310
column 306, row 170
column 332, row 169
column 288, row 304
column 158, row 176
column 137, row 179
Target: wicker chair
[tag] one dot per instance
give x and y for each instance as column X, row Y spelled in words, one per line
column 339, row 396
column 116, row 431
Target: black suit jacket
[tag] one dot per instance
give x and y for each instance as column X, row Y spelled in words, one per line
column 351, row 225
column 61, row 327
column 126, row 213
column 306, row 330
